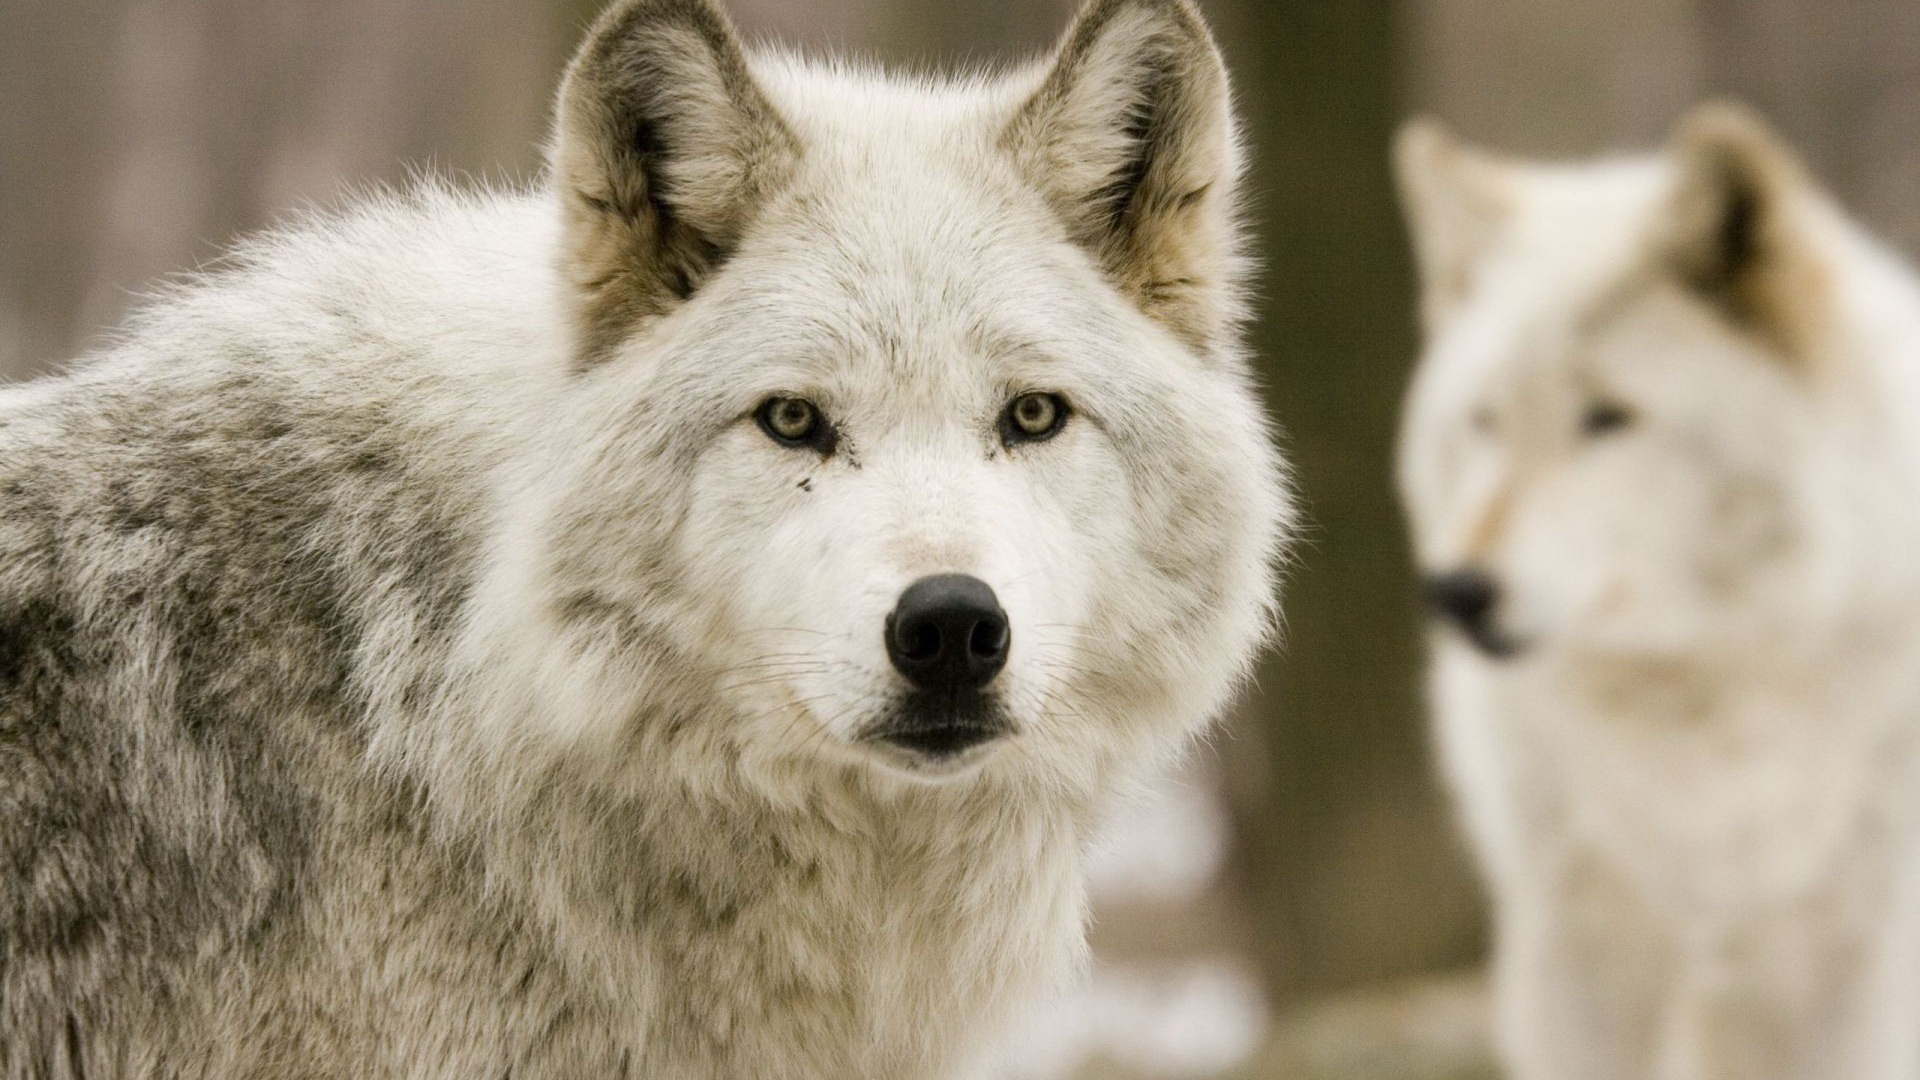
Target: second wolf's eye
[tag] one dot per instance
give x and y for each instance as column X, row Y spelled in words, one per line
column 794, row 422
column 1032, row 417
column 1602, row 417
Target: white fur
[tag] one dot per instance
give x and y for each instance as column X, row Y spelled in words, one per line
column 1693, row 790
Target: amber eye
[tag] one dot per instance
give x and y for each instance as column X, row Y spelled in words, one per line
column 796, row 422
column 1603, row 417
column 1032, row 417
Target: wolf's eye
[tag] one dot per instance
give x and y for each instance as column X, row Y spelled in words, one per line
column 1602, row 417
column 794, row 422
column 1032, row 417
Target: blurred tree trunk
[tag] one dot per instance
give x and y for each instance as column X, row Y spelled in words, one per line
column 141, row 135
column 54, row 162
column 1348, row 847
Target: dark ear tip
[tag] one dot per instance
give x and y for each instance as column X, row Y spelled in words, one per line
column 628, row 21
column 1167, row 37
column 637, row 43
column 1183, row 15
column 1186, row 11
column 626, row 11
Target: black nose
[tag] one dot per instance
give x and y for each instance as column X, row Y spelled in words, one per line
column 1466, row 597
column 948, row 633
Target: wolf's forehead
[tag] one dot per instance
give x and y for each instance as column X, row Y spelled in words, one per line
column 878, row 326
column 1572, row 268
column 939, row 312
column 910, row 267
column 917, row 194
column 894, row 149
column 841, row 100
column 910, row 254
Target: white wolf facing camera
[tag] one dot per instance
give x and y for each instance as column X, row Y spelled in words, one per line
column 1662, row 460
column 681, row 621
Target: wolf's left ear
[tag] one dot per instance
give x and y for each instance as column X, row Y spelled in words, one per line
column 664, row 148
column 1132, row 139
column 1734, row 228
column 1457, row 201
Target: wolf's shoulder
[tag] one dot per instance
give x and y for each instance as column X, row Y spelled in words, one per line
column 319, row 370
column 434, row 281
column 277, row 459
column 321, row 409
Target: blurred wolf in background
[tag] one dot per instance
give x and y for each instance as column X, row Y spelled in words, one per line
column 679, row 622
column 1662, row 459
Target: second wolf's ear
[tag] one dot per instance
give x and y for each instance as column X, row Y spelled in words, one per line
column 1456, row 200
column 1131, row 137
column 664, row 148
column 1733, row 228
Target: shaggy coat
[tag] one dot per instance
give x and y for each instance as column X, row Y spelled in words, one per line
column 416, row 661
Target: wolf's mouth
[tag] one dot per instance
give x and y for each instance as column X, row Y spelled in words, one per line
column 941, row 728
column 1468, row 600
column 1492, row 643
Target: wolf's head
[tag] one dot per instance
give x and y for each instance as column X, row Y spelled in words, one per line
column 1654, row 412
column 908, row 420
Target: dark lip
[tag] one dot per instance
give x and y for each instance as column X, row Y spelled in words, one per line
column 1492, row 643
column 941, row 742
column 940, row 729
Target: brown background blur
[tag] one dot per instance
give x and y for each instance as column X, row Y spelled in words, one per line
column 138, row 136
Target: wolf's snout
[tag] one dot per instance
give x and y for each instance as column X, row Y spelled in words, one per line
column 1467, row 599
column 948, row 633
column 1463, row 597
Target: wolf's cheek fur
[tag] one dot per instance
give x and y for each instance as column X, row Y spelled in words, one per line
column 1644, row 541
column 1659, row 551
column 1693, row 519
column 1204, row 516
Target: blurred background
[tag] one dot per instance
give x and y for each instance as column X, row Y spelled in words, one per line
column 1296, row 905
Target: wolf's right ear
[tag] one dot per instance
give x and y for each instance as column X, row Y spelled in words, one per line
column 1456, row 201
column 1733, row 231
column 1131, row 138
column 664, row 147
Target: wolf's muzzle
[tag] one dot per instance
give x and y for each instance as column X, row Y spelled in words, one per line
column 1468, row 599
column 949, row 637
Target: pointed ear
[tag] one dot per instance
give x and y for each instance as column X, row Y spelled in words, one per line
column 1735, row 227
column 1456, row 200
column 1131, row 137
column 663, row 150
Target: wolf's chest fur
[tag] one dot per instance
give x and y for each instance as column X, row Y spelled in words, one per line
column 1723, row 802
